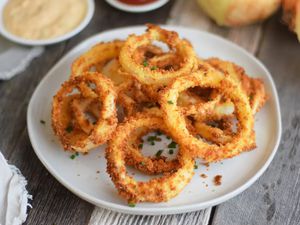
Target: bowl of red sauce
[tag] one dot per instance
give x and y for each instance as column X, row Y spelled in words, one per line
column 137, row 6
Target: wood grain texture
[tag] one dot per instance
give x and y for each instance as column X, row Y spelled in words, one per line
column 103, row 217
column 52, row 203
column 275, row 197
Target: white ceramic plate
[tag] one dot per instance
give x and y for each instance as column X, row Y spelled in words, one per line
column 80, row 176
column 23, row 41
column 137, row 8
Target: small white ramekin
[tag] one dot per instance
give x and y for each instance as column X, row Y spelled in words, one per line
column 4, row 32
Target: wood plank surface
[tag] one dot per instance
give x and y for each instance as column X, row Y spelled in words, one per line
column 52, row 203
column 275, row 197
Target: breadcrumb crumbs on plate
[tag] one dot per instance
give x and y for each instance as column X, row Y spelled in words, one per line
column 206, row 164
column 218, row 180
column 203, row 175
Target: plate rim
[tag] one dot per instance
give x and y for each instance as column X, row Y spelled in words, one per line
column 171, row 209
column 31, row 42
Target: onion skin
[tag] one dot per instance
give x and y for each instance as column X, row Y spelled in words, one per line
column 291, row 15
column 233, row 13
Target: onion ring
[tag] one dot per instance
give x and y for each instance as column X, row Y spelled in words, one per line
column 157, row 77
column 253, row 87
column 177, row 124
column 157, row 189
column 76, row 139
column 99, row 56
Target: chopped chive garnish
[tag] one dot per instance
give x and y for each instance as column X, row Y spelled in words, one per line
column 145, row 63
column 195, row 166
column 141, row 145
column 171, row 151
column 172, row 145
column 74, row 155
column 142, row 163
column 152, row 143
column 151, row 138
column 168, row 137
column 170, row 102
column 251, row 97
column 153, row 68
column 158, row 153
column 131, row 204
column 42, row 121
column 69, row 128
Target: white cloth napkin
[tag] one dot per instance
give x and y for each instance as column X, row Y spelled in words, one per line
column 15, row 58
column 13, row 194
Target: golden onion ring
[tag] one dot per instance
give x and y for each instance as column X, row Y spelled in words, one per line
column 76, row 139
column 253, row 87
column 157, row 189
column 99, row 56
column 175, row 120
column 145, row 74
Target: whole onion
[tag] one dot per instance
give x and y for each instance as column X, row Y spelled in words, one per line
column 291, row 15
column 239, row 12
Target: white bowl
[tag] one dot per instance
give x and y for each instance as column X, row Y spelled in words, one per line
column 80, row 176
column 24, row 41
column 137, row 8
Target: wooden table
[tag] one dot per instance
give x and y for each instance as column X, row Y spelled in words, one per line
column 273, row 199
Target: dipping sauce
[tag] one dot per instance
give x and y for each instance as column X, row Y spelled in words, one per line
column 137, row 2
column 43, row 19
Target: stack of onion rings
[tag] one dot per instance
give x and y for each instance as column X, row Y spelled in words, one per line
column 206, row 106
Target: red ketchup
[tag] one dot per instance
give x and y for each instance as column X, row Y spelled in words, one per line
column 137, row 2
